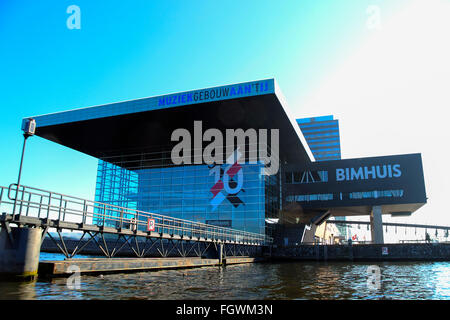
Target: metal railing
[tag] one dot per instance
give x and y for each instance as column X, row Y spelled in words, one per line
column 34, row 202
column 391, row 224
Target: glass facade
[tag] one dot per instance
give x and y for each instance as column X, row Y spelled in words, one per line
column 322, row 135
column 235, row 195
column 238, row 196
column 116, row 185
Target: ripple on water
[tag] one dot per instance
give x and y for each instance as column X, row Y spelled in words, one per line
column 303, row 280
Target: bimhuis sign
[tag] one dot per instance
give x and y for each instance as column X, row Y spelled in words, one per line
column 363, row 181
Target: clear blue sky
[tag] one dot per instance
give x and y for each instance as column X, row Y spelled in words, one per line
column 132, row 49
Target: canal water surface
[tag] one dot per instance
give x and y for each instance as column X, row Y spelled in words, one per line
column 296, row 280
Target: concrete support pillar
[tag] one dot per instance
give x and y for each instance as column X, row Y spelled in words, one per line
column 19, row 252
column 376, row 225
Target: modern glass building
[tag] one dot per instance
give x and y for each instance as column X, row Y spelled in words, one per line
column 322, row 135
column 133, row 142
column 240, row 197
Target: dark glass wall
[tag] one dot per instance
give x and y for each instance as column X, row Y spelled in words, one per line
column 206, row 194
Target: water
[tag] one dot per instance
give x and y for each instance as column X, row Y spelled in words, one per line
column 297, row 280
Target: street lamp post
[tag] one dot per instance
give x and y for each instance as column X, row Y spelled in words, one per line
column 29, row 128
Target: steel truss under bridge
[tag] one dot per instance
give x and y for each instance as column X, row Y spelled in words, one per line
column 37, row 208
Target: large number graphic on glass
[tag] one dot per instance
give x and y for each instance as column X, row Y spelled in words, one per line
column 228, row 181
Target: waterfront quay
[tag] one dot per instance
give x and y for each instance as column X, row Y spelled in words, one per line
column 306, row 252
column 416, row 252
column 365, row 252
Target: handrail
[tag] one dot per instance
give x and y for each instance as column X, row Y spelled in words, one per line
column 47, row 204
column 392, row 224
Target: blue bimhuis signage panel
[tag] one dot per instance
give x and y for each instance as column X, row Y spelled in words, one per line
column 233, row 91
column 356, row 182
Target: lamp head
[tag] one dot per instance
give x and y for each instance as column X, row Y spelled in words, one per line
column 29, row 127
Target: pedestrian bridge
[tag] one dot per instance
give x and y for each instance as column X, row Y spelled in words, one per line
column 40, row 210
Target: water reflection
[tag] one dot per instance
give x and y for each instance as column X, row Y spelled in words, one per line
column 337, row 280
column 18, row 290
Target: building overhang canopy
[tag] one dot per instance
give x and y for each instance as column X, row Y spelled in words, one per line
column 146, row 125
